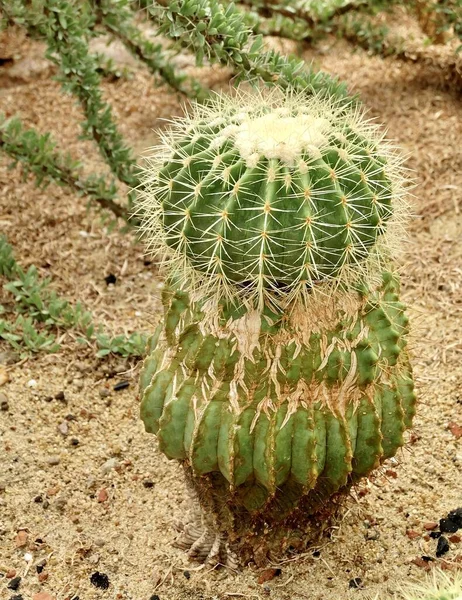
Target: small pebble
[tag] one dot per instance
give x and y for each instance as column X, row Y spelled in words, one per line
column 268, row 575
column 372, row 534
column 104, row 392
column 121, row 385
column 32, row 383
column 60, row 396
column 3, row 402
column 355, row 583
column 100, row 580
column 43, row 596
column 435, row 534
column 53, row 460
column 443, row 546
column 448, row 526
column 154, row 597
column 17, row 597
column 111, row 278
column 110, row 464
column 21, row 539
column 456, row 517
column 14, row 584
column 148, row 484
column 103, row 495
column 63, row 428
column 74, row 442
column 187, row 574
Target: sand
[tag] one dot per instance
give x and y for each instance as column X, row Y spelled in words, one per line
column 83, row 489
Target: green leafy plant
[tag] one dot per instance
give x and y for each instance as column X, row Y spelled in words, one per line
column 37, row 154
column 42, row 312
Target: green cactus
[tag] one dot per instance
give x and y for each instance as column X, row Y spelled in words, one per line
column 440, row 586
column 280, row 374
column 268, row 195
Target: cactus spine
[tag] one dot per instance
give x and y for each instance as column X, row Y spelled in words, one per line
column 280, row 374
column 440, row 586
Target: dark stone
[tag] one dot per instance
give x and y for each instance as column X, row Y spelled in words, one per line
column 74, row 442
column 448, row 526
column 14, row 583
column 187, row 574
column 442, row 547
column 111, row 278
column 148, row 484
column 17, row 597
column 121, row 385
column 316, row 554
column 355, row 583
column 427, row 558
column 38, row 499
column 100, row 580
column 456, row 517
column 60, row 396
column 435, row 534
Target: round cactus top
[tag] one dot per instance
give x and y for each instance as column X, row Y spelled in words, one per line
column 283, row 134
column 265, row 197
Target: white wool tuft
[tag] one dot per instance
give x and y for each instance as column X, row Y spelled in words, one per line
column 275, row 135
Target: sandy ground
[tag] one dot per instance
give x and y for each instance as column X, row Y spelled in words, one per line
column 83, row 489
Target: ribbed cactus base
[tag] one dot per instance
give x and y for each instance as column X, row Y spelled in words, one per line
column 275, row 416
column 218, row 531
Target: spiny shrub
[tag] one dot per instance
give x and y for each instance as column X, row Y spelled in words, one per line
column 279, row 375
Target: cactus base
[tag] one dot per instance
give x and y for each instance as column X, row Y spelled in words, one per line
column 218, row 531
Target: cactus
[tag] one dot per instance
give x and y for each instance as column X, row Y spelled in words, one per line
column 279, row 375
column 266, row 195
column 441, row 586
